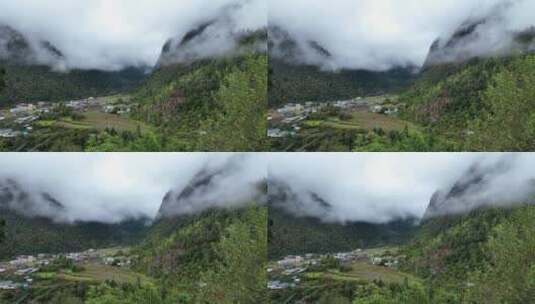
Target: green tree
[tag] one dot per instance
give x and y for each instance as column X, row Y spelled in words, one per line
column 508, row 123
column 240, row 276
column 2, row 226
column 2, row 79
column 241, row 123
column 509, row 276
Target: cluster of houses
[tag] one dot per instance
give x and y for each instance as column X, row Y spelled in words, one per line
column 284, row 121
column 120, row 109
column 17, row 121
column 285, row 272
column 16, row 274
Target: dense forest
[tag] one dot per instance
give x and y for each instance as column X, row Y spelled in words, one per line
column 31, row 83
column 24, row 235
column 486, row 256
column 222, row 250
column 299, row 83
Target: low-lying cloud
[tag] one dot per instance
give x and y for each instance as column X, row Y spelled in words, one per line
column 114, row 187
column 383, row 34
column 114, row 34
column 379, row 188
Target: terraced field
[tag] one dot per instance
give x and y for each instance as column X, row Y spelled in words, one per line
column 101, row 121
column 364, row 271
column 362, row 120
column 101, row 273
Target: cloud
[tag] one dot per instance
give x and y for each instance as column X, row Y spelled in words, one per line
column 113, row 34
column 111, row 187
column 215, row 185
column 381, row 187
column 382, row 34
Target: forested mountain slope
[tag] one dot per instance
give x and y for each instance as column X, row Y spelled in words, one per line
column 482, row 101
column 36, row 73
column 292, row 80
column 293, row 231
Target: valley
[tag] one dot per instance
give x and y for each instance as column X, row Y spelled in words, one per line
column 312, row 277
column 180, row 102
column 32, row 278
column 98, row 114
column 345, row 125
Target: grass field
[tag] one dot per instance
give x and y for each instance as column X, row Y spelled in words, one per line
column 363, row 120
column 363, row 271
column 101, row 273
column 100, row 121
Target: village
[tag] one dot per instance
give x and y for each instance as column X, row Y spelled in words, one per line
column 20, row 119
column 22, row 271
column 287, row 272
column 286, row 121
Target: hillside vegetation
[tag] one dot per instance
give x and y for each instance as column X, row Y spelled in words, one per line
column 299, row 83
column 218, row 256
column 25, row 235
column 299, row 235
column 483, row 105
column 486, row 256
column 209, row 105
column 215, row 257
column 41, row 83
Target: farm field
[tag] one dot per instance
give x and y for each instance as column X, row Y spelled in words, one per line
column 99, row 121
column 364, row 271
column 100, row 273
column 363, row 120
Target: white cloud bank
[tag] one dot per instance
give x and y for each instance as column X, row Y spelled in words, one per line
column 110, row 187
column 382, row 34
column 380, row 187
column 113, row 34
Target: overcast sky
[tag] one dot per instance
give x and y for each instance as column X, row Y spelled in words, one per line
column 111, row 34
column 381, row 34
column 379, row 187
column 109, row 187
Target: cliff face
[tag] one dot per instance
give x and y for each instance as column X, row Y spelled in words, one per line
column 475, row 189
column 209, row 39
column 15, row 197
column 480, row 38
column 16, row 48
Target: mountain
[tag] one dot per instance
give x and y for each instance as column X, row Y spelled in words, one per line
column 18, row 49
column 32, row 235
column 222, row 249
column 292, row 231
column 14, row 197
column 293, row 79
column 36, row 222
column 481, row 102
column 477, row 38
column 211, row 39
column 36, row 71
column 470, row 243
column 198, row 99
